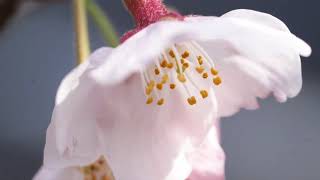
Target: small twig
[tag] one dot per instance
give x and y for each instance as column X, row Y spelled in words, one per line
column 81, row 29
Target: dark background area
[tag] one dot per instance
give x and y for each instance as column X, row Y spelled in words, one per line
column 277, row 142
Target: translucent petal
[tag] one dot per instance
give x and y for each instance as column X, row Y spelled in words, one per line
column 138, row 141
column 58, row 174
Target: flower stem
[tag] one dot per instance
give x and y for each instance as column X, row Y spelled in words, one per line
column 102, row 21
column 81, row 28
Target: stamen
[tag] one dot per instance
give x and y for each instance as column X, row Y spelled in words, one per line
column 165, row 78
column 204, row 94
column 105, row 177
column 192, row 100
column 181, row 78
column 160, row 102
column 200, row 60
column 152, row 83
column 205, row 75
column 172, row 86
column 185, row 66
column 203, row 52
column 170, row 66
column 148, row 90
column 185, row 54
column 149, row 100
column 214, row 71
column 150, row 87
column 164, row 64
column 200, row 69
column 159, row 86
column 179, row 63
column 99, row 170
column 217, row 80
column 93, row 177
column 171, row 53
column 94, row 167
column 156, row 71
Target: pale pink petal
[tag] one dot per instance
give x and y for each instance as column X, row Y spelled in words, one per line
column 58, row 174
column 147, row 142
column 208, row 159
column 139, row 141
column 259, row 18
column 72, row 120
column 259, row 56
column 146, row 45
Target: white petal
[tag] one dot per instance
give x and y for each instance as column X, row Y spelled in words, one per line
column 147, row 142
column 256, row 55
column 145, row 46
column 73, row 119
column 208, row 159
column 58, row 174
column 259, row 18
column 266, row 21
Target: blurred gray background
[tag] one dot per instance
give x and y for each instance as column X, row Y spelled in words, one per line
column 277, row 142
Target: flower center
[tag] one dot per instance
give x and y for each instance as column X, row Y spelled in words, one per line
column 98, row 170
column 184, row 66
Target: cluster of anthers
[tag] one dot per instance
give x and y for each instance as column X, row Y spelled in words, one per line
column 99, row 170
column 179, row 65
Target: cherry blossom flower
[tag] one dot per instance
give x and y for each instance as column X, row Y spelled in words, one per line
column 152, row 105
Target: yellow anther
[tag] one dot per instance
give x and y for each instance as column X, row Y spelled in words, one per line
column 192, row 100
column 170, row 65
column 200, row 69
column 171, row 53
column 149, row 100
column 149, row 90
column 204, row 93
column 182, row 78
column 182, row 61
column 205, row 75
column 94, row 167
column 157, row 71
column 105, row 177
column 214, row 72
column 172, row 86
column 165, row 78
column 151, row 83
column 160, row 102
column 217, row 80
column 159, row 86
column 185, row 66
column 86, row 170
column 93, row 177
column 200, row 60
column 164, row 64
column 150, row 87
column 185, row 54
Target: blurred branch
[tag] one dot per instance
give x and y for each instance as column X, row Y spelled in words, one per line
column 104, row 24
column 7, row 10
column 81, row 28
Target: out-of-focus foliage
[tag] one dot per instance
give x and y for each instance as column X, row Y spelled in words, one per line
column 8, row 8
